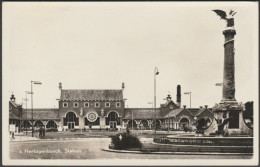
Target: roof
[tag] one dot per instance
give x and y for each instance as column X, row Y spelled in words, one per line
column 173, row 113
column 41, row 113
column 168, row 102
column 92, row 95
column 197, row 111
column 142, row 113
column 15, row 104
column 13, row 116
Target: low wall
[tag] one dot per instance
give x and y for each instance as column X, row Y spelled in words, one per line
column 206, row 141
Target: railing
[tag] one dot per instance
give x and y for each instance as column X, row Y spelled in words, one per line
column 207, row 141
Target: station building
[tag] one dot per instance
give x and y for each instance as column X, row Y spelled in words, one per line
column 105, row 109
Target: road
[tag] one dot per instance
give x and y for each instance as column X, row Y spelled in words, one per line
column 88, row 148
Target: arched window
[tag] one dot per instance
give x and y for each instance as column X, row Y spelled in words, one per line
column 144, row 124
column 158, row 124
column 26, row 124
column 184, row 122
column 112, row 117
column 71, row 118
column 131, row 124
column 38, row 123
column 51, row 124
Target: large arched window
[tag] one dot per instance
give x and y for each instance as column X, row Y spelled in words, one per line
column 71, row 118
column 51, row 124
column 112, row 117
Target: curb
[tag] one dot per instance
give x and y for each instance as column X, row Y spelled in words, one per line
column 54, row 139
column 176, row 145
column 172, row 153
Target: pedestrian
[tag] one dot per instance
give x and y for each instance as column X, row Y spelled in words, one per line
column 40, row 132
column 13, row 135
column 43, row 132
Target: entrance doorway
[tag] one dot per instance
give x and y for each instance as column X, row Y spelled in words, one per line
column 112, row 125
column 71, row 125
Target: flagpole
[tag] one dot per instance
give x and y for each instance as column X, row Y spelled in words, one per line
column 190, row 99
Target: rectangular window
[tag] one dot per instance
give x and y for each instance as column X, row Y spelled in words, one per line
column 65, row 104
column 107, row 104
column 97, row 104
column 86, row 104
column 76, row 104
column 118, row 104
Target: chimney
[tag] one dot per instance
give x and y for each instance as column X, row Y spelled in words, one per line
column 60, row 85
column 200, row 106
column 206, row 106
column 179, row 95
column 184, row 106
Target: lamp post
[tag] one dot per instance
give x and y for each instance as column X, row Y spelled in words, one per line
column 37, row 83
column 156, row 72
column 151, row 103
column 132, row 120
column 26, row 99
column 188, row 93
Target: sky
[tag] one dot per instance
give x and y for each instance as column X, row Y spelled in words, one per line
column 89, row 45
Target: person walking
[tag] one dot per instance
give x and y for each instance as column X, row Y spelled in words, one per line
column 40, row 132
column 43, row 132
column 13, row 135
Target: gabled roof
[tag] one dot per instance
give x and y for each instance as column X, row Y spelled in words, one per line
column 15, row 104
column 92, row 95
column 142, row 113
column 167, row 103
column 13, row 116
column 173, row 113
column 41, row 113
column 197, row 111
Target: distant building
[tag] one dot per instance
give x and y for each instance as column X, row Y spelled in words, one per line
column 15, row 113
column 105, row 109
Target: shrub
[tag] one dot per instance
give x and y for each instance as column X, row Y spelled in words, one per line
column 127, row 141
column 185, row 129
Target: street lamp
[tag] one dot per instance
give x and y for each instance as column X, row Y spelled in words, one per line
column 151, row 103
column 26, row 99
column 188, row 93
column 156, row 72
column 36, row 83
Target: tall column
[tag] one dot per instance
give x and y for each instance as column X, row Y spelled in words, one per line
column 228, row 90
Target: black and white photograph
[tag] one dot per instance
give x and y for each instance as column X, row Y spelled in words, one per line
column 130, row 83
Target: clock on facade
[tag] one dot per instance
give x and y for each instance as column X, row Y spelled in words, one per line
column 171, row 106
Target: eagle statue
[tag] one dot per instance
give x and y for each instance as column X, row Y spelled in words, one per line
column 223, row 15
column 221, row 124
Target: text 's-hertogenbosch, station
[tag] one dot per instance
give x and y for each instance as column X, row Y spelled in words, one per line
column 105, row 109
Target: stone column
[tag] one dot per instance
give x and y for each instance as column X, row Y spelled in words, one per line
column 45, row 123
column 228, row 89
column 81, row 122
column 102, row 122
